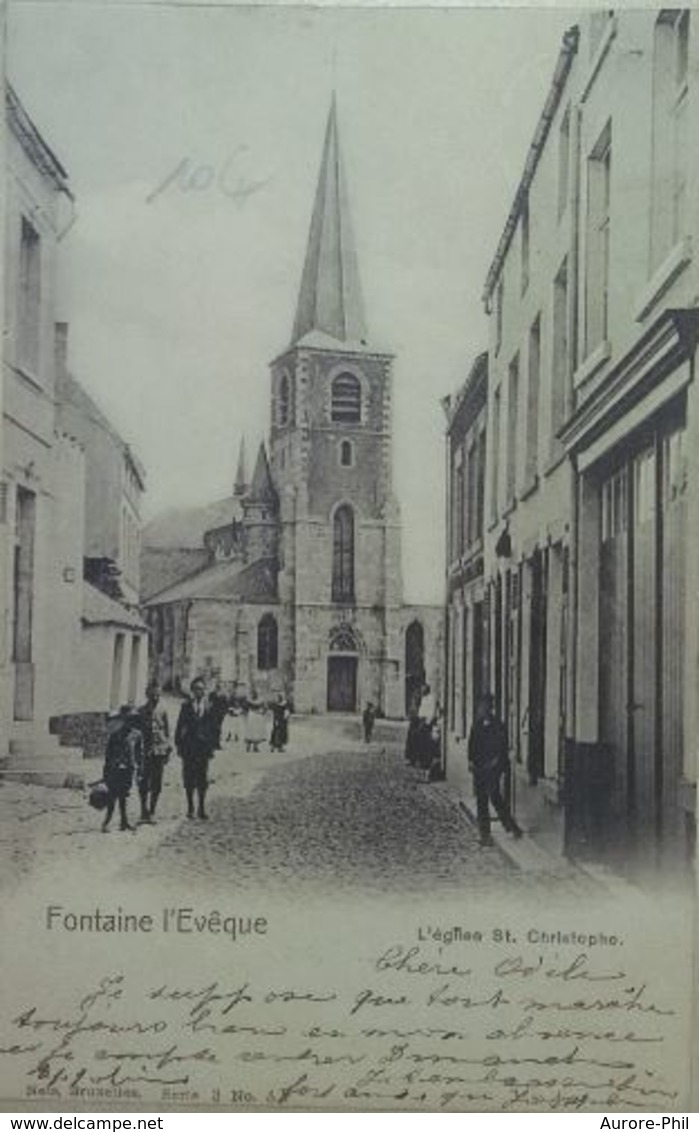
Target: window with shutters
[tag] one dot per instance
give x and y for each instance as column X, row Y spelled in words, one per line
column 284, row 401
column 346, row 399
column 29, row 296
column 599, row 177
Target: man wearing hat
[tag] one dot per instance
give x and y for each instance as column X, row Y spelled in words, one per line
column 488, row 760
column 196, row 738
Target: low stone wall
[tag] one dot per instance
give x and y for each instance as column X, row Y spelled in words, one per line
column 87, row 730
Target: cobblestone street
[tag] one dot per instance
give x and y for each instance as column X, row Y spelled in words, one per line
column 345, row 821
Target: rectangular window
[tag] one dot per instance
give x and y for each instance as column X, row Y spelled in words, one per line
column 599, row 176
column 533, row 386
column 512, row 415
column 480, row 485
column 560, row 362
column 495, row 449
column 563, row 162
column 29, row 313
column 670, row 136
column 524, row 221
column 460, row 503
column 471, row 488
column 614, row 505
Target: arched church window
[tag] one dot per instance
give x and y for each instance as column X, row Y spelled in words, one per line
column 346, row 453
column 343, row 555
column 267, row 643
column 346, row 399
column 284, row 400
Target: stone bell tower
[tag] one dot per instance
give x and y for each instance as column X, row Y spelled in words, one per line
column 331, row 459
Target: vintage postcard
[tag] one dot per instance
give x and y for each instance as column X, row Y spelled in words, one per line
column 349, row 557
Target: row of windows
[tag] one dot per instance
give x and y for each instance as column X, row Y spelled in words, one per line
column 467, row 494
column 345, row 400
column 522, row 423
column 668, row 180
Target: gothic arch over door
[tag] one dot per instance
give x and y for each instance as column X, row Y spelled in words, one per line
column 343, row 668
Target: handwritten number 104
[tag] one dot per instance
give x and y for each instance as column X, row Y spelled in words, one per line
column 227, row 178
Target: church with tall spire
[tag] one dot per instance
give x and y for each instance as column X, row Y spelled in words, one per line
column 301, row 588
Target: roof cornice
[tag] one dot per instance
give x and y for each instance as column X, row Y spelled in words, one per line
column 33, row 144
column 566, row 55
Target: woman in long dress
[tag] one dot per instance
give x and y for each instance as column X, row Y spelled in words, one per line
column 280, row 725
column 255, row 725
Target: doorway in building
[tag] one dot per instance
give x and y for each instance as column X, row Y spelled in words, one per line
column 641, row 619
column 537, row 665
column 414, row 666
column 23, row 587
column 342, row 683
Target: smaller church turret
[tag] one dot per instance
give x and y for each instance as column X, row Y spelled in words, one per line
column 261, row 512
column 240, row 483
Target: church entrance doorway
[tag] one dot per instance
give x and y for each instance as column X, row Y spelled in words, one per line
column 342, row 683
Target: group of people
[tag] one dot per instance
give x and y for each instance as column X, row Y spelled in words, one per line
column 488, row 757
column 423, row 746
column 253, row 714
column 139, row 746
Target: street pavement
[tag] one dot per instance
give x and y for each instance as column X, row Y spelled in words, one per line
column 330, row 815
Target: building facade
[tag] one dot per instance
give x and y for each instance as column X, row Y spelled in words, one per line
column 303, row 591
column 591, row 495
column 50, row 616
column 466, row 661
column 35, row 593
column 114, row 484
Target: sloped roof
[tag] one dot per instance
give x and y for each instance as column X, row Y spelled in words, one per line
column 35, row 146
column 99, row 609
column 163, row 567
column 226, row 581
column 73, row 392
column 330, row 298
column 183, row 528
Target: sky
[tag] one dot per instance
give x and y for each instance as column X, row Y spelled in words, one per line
column 192, row 136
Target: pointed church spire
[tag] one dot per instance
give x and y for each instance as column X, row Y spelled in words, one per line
column 330, row 298
column 241, row 480
column 262, row 488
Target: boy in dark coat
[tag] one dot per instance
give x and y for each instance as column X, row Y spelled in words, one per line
column 123, row 759
column 196, row 738
column 488, row 760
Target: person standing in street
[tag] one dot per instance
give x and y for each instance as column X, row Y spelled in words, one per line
column 488, row 760
column 196, row 736
column 428, row 734
column 123, row 759
column 155, row 728
column 281, row 710
column 368, row 720
column 218, row 704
